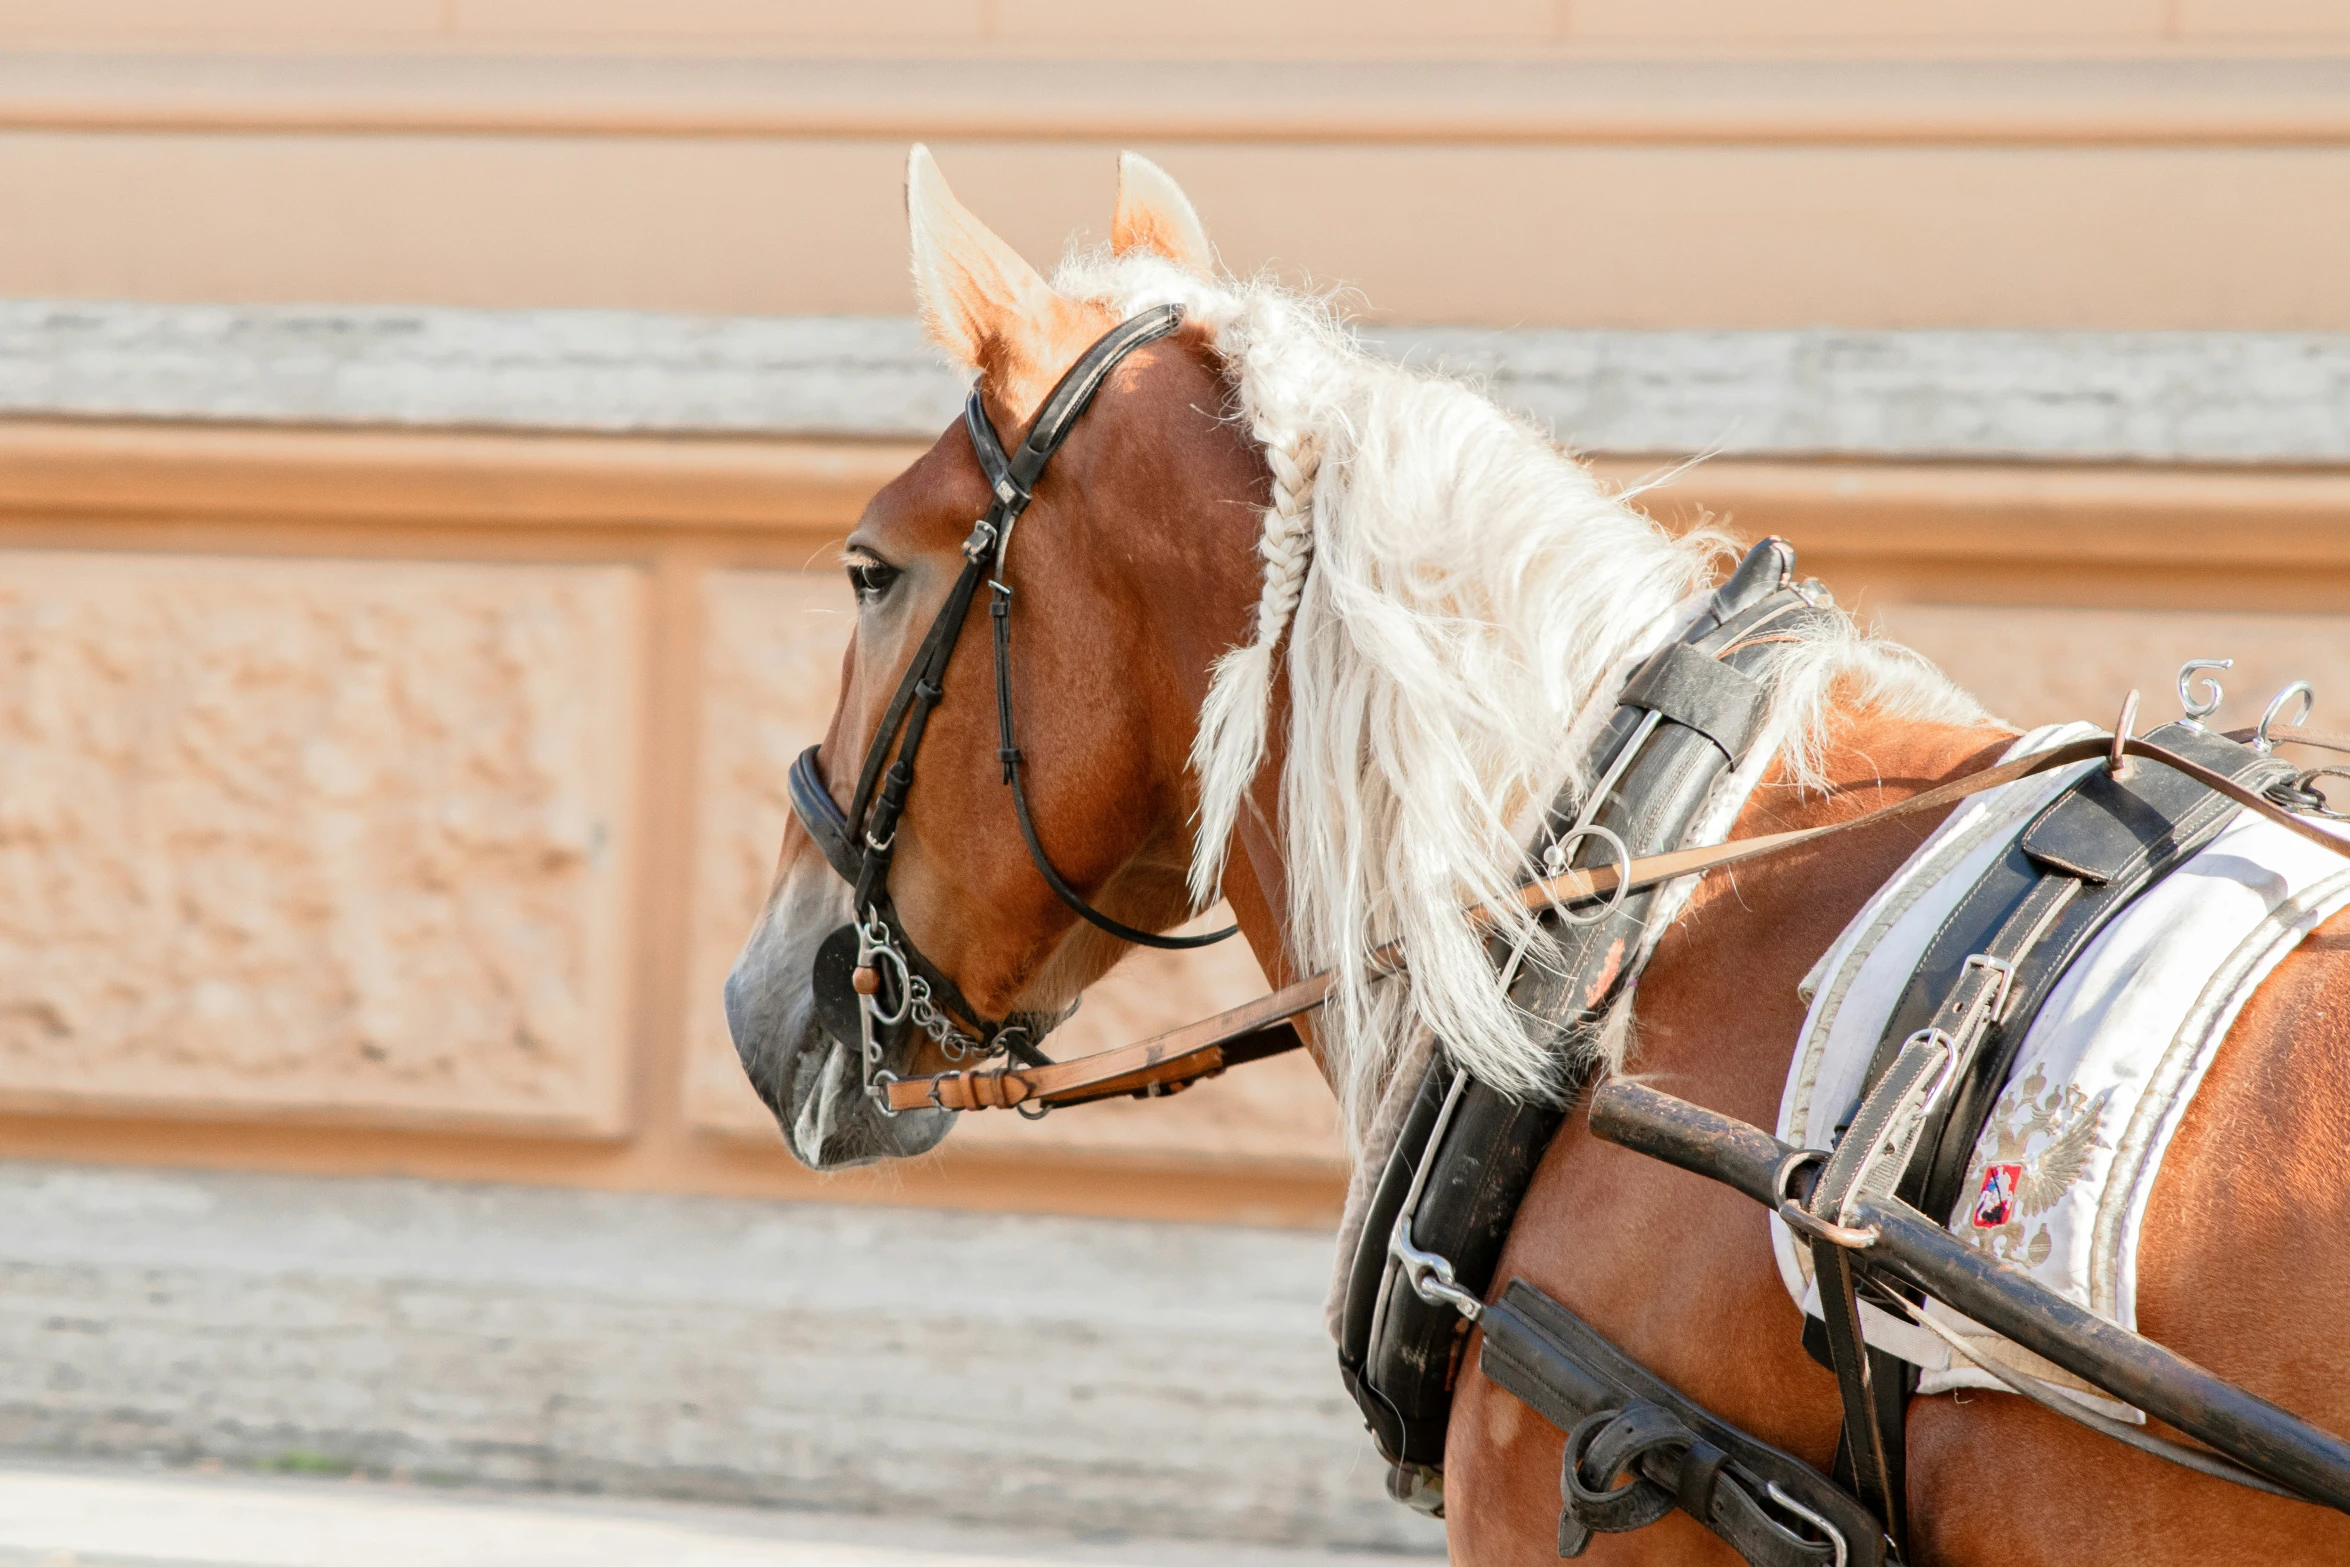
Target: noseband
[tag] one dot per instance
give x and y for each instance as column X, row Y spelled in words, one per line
column 869, row 976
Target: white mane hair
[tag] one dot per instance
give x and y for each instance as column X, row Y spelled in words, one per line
column 1475, row 601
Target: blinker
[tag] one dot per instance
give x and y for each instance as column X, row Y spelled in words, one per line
column 820, row 815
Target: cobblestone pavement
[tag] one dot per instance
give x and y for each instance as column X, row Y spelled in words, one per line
column 60, row 1515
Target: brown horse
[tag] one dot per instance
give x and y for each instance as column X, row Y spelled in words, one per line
column 1452, row 602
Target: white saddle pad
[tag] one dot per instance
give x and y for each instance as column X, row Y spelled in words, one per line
column 2061, row 1174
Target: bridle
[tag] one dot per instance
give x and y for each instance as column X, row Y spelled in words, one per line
column 869, row 976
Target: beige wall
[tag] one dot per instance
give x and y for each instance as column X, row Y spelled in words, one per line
column 393, row 801
column 384, row 802
column 2122, row 163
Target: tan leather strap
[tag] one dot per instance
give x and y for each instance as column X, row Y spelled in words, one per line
column 1175, row 1060
column 1159, row 1065
column 2318, row 739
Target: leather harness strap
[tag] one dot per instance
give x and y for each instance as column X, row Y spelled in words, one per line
column 1637, row 1448
column 1165, row 1062
column 1200, row 1049
column 1449, row 1193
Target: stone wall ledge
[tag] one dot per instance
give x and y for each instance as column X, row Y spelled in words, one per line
column 2272, row 398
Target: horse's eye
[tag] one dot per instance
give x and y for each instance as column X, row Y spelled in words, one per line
column 871, row 579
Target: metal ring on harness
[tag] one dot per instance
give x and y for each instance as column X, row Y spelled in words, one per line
column 1787, row 1169
column 2117, row 762
column 1562, row 848
column 2313, row 800
column 2198, row 708
column 1801, row 1220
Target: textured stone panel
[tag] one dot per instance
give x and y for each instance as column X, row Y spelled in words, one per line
column 315, row 837
column 771, row 675
column 2039, row 666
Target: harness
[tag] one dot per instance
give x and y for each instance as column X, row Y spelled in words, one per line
column 1467, row 1153
column 1422, row 1275
column 1637, row 1448
column 1954, row 1035
column 871, row 981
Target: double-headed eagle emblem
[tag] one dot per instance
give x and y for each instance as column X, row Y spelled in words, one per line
column 2035, row 1146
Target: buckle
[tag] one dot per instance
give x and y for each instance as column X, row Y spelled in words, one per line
column 2004, row 968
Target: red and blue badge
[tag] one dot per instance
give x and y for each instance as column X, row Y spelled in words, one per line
column 1995, row 1203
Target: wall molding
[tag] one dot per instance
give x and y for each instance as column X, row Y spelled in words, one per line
column 1977, row 531
column 2151, row 98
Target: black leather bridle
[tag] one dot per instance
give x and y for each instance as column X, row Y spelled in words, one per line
column 869, row 976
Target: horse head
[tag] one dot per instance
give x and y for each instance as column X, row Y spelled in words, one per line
column 1133, row 570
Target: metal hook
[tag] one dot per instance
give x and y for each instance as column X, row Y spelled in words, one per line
column 2262, row 740
column 2200, row 708
column 2117, row 762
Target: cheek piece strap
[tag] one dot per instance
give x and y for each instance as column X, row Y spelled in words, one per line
column 890, row 984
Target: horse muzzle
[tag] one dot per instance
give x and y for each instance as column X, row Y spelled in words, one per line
column 793, row 1013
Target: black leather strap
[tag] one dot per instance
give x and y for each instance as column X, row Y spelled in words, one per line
column 1013, row 480
column 1402, row 1374
column 1008, row 753
column 821, row 815
column 1698, row 691
column 1873, row 1453
column 919, row 690
column 1637, row 1448
column 2117, row 838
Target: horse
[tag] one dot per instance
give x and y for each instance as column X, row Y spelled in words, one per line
column 1320, row 634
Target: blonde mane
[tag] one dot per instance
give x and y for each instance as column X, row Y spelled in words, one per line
column 1458, row 602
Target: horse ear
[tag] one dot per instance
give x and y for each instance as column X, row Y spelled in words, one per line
column 1155, row 215
column 982, row 303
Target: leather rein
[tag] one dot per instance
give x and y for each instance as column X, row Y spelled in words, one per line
column 1169, row 1062
column 870, row 978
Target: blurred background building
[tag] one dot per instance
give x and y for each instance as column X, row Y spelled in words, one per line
column 427, row 424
